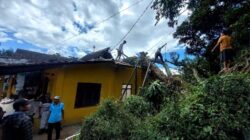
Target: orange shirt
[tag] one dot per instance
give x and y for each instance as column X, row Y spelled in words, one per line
column 224, row 42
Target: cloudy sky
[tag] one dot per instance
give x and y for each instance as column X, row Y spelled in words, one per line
column 72, row 27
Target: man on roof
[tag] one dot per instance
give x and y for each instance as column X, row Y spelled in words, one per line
column 158, row 54
column 120, row 50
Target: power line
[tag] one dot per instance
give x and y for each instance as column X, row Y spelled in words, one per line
column 132, row 27
column 171, row 33
column 115, row 14
column 106, row 19
column 156, row 44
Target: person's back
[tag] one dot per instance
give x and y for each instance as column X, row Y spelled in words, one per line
column 226, row 50
column 225, row 42
column 2, row 112
column 158, row 50
column 17, row 126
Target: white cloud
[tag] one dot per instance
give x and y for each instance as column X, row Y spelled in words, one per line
column 50, row 24
column 20, row 41
column 4, row 37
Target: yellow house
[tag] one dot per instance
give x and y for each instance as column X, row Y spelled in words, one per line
column 82, row 87
column 84, row 83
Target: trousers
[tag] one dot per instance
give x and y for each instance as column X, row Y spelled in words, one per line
column 57, row 127
column 44, row 119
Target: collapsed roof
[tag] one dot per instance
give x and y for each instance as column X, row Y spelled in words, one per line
column 101, row 54
column 29, row 57
column 24, row 61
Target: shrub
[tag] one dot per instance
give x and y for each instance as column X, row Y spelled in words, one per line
column 217, row 109
column 155, row 94
column 137, row 106
column 109, row 122
column 145, row 131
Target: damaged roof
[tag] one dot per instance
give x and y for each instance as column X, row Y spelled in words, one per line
column 36, row 57
column 101, row 54
column 24, row 61
column 29, row 57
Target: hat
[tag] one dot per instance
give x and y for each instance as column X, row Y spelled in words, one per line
column 20, row 102
column 57, row 97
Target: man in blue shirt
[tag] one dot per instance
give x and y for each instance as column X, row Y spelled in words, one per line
column 56, row 115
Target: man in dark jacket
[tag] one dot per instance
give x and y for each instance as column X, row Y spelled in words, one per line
column 2, row 112
column 18, row 126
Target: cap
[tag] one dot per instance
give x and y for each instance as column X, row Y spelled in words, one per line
column 57, row 97
column 20, row 102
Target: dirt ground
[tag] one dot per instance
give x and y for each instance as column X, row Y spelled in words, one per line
column 66, row 132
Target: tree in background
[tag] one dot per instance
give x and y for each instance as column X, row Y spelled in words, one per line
column 200, row 31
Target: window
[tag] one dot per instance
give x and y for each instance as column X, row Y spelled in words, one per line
column 88, row 94
column 128, row 91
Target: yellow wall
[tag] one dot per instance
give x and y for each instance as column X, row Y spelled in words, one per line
column 65, row 80
column 11, row 88
column 1, row 86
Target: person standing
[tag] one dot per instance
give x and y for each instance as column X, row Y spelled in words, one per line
column 120, row 50
column 18, row 126
column 2, row 112
column 31, row 111
column 226, row 50
column 159, row 55
column 44, row 113
column 56, row 115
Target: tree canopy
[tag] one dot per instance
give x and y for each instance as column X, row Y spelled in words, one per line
column 200, row 31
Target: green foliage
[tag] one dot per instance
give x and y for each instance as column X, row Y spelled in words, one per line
column 109, row 122
column 169, row 9
column 145, row 131
column 116, row 121
column 242, row 56
column 137, row 106
column 202, row 28
column 200, row 64
column 218, row 108
column 231, row 95
column 155, row 94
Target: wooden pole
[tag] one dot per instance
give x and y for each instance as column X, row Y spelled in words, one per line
column 129, row 80
column 144, row 80
column 136, row 80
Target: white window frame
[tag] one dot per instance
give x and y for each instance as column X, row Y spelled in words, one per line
column 128, row 91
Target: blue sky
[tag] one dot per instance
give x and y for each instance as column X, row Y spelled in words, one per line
column 73, row 27
column 15, row 43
